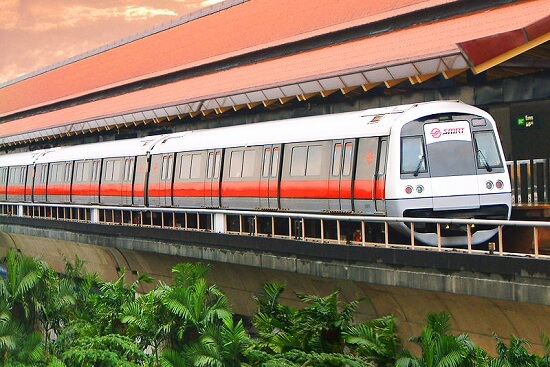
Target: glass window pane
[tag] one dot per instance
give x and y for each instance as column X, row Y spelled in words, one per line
column 413, row 159
column 298, row 161
column 348, row 155
column 210, row 168
column 218, row 164
column 275, row 162
column 185, row 166
column 267, row 160
column 196, row 164
column 487, row 150
column 314, row 160
column 336, row 159
column 236, row 163
column 248, row 163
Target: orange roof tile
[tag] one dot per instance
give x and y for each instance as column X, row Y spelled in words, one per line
column 250, row 26
column 407, row 49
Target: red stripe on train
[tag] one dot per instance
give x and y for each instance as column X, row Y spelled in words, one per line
column 363, row 189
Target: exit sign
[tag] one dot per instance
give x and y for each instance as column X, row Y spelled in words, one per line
column 525, row 121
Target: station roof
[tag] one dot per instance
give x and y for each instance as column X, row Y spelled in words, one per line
column 211, row 52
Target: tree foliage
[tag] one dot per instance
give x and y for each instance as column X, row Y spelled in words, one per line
column 80, row 320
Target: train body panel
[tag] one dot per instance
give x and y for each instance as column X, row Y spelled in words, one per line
column 435, row 159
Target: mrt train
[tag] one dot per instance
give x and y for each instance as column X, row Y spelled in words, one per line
column 440, row 159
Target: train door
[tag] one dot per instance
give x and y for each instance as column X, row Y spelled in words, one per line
column 165, row 183
column 95, row 173
column 29, row 183
column 340, row 178
column 67, row 180
column 16, row 183
column 40, row 182
column 269, row 179
column 380, row 177
column 127, row 191
column 451, row 165
column 212, row 181
column 3, row 182
column 140, row 179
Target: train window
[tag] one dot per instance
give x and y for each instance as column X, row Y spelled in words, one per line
column 248, row 163
column 210, row 169
column 348, row 155
column 166, row 169
column 15, row 176
column 487, row 154
column 275, row 162
column 314, row 159
column 267, row 161
column 336, row 159
column 382, row 157
column 3, row 174
column 218, row 164
column 53, row 172
column 68, row 170
column 236, row 163
column 109, row 170
column 112, row 170
column 95, row 171
column 185, row 166
column 79, row 171
column 306, row 160
column 22, row 175
column 413, row 159
column 43, row 173
column 128, row 169
column 190, row 166
column 298, row 161
column 214, row 164
column 242, row 163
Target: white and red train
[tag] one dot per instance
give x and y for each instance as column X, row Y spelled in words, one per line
column 437, row 159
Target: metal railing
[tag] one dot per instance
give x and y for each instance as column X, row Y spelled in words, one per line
column 530, row 181
column 337, row 229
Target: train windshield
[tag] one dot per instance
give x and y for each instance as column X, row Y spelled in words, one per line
column 413, row 159
column 449, row 149
column 487, row 154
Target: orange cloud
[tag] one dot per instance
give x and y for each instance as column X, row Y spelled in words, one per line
column 38, row 33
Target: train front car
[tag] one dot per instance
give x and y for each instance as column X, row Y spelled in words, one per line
column 446, row 161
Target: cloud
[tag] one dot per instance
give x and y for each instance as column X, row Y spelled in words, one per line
column 43, row 17
column 37, row 33
column 8, row 14
column 210, row 2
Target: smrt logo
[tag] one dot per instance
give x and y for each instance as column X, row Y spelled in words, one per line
column 436, row 133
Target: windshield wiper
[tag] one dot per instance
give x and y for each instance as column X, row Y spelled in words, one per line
column 484, row 161
column 415, row 174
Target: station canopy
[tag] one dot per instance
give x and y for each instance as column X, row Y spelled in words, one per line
column 241, row 54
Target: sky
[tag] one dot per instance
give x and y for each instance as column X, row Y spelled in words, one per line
column 37, row 33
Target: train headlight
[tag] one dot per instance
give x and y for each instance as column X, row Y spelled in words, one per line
column 499, row 184
column 489, row 185
column 420, row 189
column 409, row 189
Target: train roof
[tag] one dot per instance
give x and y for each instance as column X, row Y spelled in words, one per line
column 375, row 122
column 116, row 148
column 24, row 158
column 372, row 122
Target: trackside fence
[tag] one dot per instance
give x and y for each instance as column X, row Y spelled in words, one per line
column 530, row 181
column 350, row 230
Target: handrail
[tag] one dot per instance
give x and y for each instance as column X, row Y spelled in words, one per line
column 296, row 229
